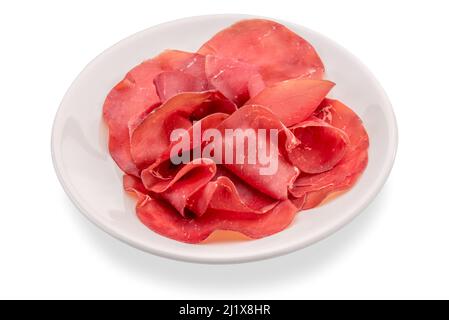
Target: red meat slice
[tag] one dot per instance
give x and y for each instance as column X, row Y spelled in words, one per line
column 229, row 193
column 321, row 146
column 232, row 77
column 341, row 181
column 254, row 117
column 171, row 83
column 299, row 202
column 136, row 95
column 164, row 220
column 279, row 53
column 226, row 192
column 191, row 188
column 255, row 85
column 189, row 179
column 128, row 99
column 344, row 175
column 151, row 138
column 135, row 185
column 293, row 101
column 341, row 116
column 163, row 169
column 187, row 62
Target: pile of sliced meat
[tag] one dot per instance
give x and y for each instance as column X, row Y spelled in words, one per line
column 255, row 74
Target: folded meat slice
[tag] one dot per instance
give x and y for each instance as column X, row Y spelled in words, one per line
column 171, row 83
column 185, row 72
column 151, row 138
column 321, row 146
column 255, row 85
column 342, row 176
column 278, row 52
column 136, row 95
column 299, row 202
column 225, row 192
column 127, row 100
column 341, row 116
column 252, row 119
column 233, row 78
column 135, row 185
column 198, row 187
column 186, row 62
column 163, row 168
column 187, row 181
column 229, row 193
column 166, row 221
column 293, row 101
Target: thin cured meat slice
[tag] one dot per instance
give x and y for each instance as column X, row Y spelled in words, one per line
column 295, row 100
column 341, row 181
column 255, row 85
column 341, row 116
column 279, row 53
column 171, row 83
column 321, row 146
column 127, row 100
column 151, row 138
column 187, row 62
column 226, row 192
column 233, row 78
column 135, row 185
column 257, row 117
column 344, row 175
column 229, row 193
column 176, row 184
column 254, row 200
column 188, row 180
column 171, row 225
column 136, row 95
column 299, row 202
column 191, row 188
column 163, row 168
column 274, row 174
column 166, row 221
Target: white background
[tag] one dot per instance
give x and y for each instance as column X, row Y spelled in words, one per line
column 398, row 248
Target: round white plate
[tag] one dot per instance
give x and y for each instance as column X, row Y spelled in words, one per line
column 94, row 183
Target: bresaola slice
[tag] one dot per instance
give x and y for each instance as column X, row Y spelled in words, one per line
column 136, row 95
column 342, row 117
column 253, row 118
column 135, row 185
column 279, row 53
column 152, row 137
column 177, row 184
column 255, row 85
column 233, row 78
column 166, row 221
column 194, row 189
column 170, row 83
column 343, row 176
column 127, row 100
column 321, row 146
column 163, row 168
column 228, row 193
column 191, row 178
column 293, row 101
column 187, row 62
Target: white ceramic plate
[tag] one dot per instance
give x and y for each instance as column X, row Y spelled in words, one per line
column 94, row 183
